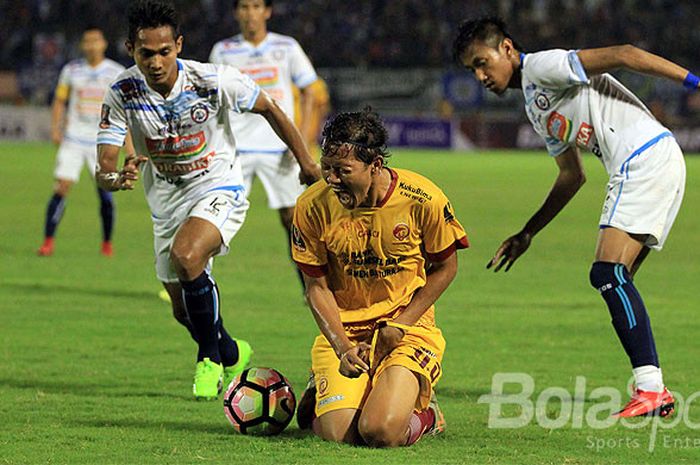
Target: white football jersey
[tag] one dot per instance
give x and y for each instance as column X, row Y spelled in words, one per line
column 87, row 87
column 186, row 136
column 599, row 114
column 276, row 63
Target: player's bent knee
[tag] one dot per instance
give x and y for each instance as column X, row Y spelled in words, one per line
column 603, row 275
column 188, row 264
column 381, row 432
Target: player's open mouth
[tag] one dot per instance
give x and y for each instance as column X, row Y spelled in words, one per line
column 344, row 197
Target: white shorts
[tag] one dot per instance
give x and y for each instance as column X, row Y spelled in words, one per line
column 646, row 198
column 225, row 209
column 279, row 174
column 70, row 159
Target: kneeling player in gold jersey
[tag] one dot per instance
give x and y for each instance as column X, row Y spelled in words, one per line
column 377, row 248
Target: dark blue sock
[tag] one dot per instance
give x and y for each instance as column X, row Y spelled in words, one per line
column 629, row 316
column 106, row 213
column 54, row 212
column 202, row 305
column 228, row 349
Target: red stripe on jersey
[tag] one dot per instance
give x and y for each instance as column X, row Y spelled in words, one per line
column 462, row 243
column 315, row 271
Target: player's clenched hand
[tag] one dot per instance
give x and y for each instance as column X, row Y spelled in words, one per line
column 130, row 172
column 353, row 362
column 511, row 249
column 310, row 174
column 387, row 340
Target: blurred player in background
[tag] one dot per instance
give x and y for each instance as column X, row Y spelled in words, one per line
column 319, row 111
column 178, row 111
column 574, row 104
column 276, row 63
column 364, row 239
column 81, row 87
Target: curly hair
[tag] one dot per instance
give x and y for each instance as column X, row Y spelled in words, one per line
column 146, row 14
column 363, row 130
column 490, row 30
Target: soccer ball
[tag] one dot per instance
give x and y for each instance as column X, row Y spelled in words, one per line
column 259, row 401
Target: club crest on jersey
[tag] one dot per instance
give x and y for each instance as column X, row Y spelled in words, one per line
column 104, row 117
column 558, row 126
column 542, row 102
column 199, row 113
column 401, row 231
column 278, row 55
column 297, row 240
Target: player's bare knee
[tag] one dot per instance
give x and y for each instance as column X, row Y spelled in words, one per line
column 333, row 433
column 187, row 263
column 379, row 431
column 62, row 187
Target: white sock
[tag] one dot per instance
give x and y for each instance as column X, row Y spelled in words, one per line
column 648, row 378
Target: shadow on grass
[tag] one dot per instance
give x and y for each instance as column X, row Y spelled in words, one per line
column 87, row 389
column 54, row 289
column 215, row 427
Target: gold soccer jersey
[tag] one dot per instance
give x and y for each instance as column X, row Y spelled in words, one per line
column 372, row 256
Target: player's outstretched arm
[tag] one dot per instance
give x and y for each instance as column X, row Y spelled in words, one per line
column 290, row 135
column 601, row 60
column 353, row 358
column 107, row 176
column 569, row 180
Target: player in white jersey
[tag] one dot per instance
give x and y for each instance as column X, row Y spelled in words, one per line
column 178, row 113
column 276, row 62
column 573, row 104
column 81, row 88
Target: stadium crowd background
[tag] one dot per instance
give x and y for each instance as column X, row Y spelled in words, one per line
column 367, row 36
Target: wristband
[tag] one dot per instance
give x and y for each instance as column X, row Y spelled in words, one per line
column 691, row 81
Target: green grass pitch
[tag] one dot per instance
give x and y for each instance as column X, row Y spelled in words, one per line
column 93, row 369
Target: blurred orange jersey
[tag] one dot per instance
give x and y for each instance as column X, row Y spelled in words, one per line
column 372, row 256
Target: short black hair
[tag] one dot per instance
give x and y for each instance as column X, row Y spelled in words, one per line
column 364, row 130
column 490, row 30
column 146, row 14
column 268, row 4
column 93, row 27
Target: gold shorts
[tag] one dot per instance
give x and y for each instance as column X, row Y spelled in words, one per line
column 420, row 351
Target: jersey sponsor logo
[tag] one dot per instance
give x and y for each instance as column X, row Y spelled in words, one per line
column 264, row 77
column 90, row 94
column 401, row 231
column 178, row 169
column 104, row 117
column 558, row 126
column 130, row 88
column 415, row 193
column 199, row 113
column 583, row 137
column 297, row 239
column 542, row 102
column 179, row 147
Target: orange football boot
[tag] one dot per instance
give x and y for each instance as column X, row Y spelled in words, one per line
column 649, row 404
